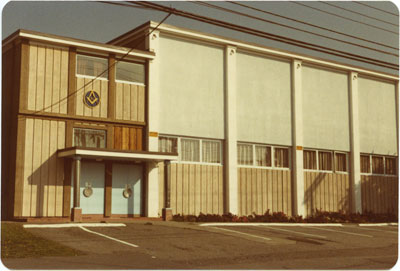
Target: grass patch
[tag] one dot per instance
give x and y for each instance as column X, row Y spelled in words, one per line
column 16, row 242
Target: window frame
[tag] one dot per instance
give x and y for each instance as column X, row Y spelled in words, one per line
column 91, row 76
column 130, row 82
column 333, row 155
column 347, row 162
column 370, row 155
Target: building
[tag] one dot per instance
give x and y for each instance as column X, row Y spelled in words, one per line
column 190, row 122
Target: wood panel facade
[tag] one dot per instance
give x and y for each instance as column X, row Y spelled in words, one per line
column 264, row 189
column 83, row 85
column 130, row 102
column 379, row 194
column 326, row 192
column 128, row 138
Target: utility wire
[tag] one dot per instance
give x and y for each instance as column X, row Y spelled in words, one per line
column 290, row 27
column 358, row 13
column 363, row 3
column 333, row 14
column 122, row 4
column 269, row 36
column 313, row 25
column 109, row 66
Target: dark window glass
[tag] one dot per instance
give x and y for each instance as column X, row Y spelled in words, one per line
column 365, row 164
column 377, row 165
column 391, row 168
column 89, row 138
column 340, row 162
column 309, row 160
column 281, row 157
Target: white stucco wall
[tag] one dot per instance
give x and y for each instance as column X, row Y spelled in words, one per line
column 191, row 88
column 325, row 109
column 263, row 100
column 377, row 117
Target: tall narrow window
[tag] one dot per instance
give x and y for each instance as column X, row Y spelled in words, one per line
column 377, row 165
column 89, row 138
column 92, row 66
column 309, row 159
column 325, row 160
column 211, row 151
column 365, row 165
column 130, row 72
column 190, row 150
column 281, row 158
column 167, row 144
column 245, row 154
column 263, row 156
column 390, row 163
column 340, row 162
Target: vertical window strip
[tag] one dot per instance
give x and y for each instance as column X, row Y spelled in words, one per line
column 325, row 160
column 190, row 149
column 263, row 156
column 390, row 165
column 365, row 166
column 211, row 151
column 377, row 165
column 92, row 66
column 167, row 144
column 281, row 157
column 340, row 162
column 245, row 154
column 309, row 159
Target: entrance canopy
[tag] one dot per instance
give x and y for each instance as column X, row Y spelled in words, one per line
column 106, row 154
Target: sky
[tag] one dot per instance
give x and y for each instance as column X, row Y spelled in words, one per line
column 102, row 22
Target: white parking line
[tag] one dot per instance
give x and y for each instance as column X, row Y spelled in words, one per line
column 272, row 224
column 114, row 239
column 252, row 235
column 345, row 232
column 71, row 225
column 369, row 229
column 377, row 224
column 302, row 233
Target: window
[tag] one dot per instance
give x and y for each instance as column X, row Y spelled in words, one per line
column 211, row 151
column 377, row 165
column 263, row 156
column 89, row 138
column 340, row 162
column 190, row 150
column 92, row 66
column 245, row 154
column 324, row 160
column 365, row 164
column 309, row 159
column 281, row 157
column 167, row 144
column 390, row 165
column 130, row 72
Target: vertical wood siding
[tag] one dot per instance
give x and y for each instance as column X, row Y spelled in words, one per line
column 48, row 79
column 195, row 188
column 129, row 99
column 327, row 192
column 379, row 194
column 43, row 171
column 263, row 189
column 128, row 138
column 101, row 87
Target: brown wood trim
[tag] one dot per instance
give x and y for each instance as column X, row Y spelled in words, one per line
column 24, row 76
column 108, row 189
column 110, row 137
column 57, row 116
column 145, row 141
column 19, row 167
column 68, row 134
column 67, row 187
column 71, row 105
column 118, row 150
column 111, row 87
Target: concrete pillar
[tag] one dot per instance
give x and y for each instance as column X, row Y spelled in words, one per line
column 299, row 207
column 355, row 176
column 152, row 209
column 231, row 179
column 76, row 210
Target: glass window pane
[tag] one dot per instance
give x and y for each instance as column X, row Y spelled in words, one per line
column 263, row 156
column 167, row 144
column 325, row 160
column 309, row 160
column 92, row 66
column 377, row 164
column 131, row 72
column 211, row 152
column 281, row 157
column 390, row 166
column 365, row 164
column 190, row 149
column 245, row 154
column 89, row 138
column 340, row 162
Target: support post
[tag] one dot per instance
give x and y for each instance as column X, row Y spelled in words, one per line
column 152, row 190
column 167, row 210
column 76, row 210
column 231, row 180
column 355, row 175
column 299, row 207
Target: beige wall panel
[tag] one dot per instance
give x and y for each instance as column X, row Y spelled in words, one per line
column 173, row 188
column 161, row 187
column 134, row 103
column 36, row 161
column 26, row 208
column 118, row 101
column 192, row 186
column 89, row 85
column 60, row 169
column 197, row 189
column 95, row 111
column 52, row 181
column 55, row 98
column 377, row 117
column 189, row 63
column 185, row 188
column 325, row 109
column 44, row 178
column 130, row 102
column 80, row 82
column 104, row 99
column 126, row 105
column 179, row 190
column 40, row 77
column 48, row 83
column 33, row 50
column 220, row 190
column 64, row 81
column 141, row 103
column 264, row 84
column 101, row 87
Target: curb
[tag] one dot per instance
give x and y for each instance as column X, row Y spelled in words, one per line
column 273, row 224
column 72, row 225
column 377, row 224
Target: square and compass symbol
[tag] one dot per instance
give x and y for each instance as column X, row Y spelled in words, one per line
column 91, row 98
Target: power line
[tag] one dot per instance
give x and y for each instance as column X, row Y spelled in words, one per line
column 358, row 13
column 333, row 14
column 121, row 4
column 109, row 66
column 290, row 27
column 313, row 25
column 269, row 36
column 361, row 3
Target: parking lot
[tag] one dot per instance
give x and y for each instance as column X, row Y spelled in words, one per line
column 177, row 245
